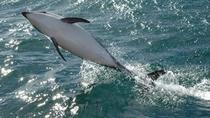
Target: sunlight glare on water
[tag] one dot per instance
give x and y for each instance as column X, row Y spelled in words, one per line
column 143, row 35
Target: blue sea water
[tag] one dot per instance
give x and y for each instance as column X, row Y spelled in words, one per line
column 144, row 35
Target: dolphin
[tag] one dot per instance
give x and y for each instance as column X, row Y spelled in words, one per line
column 65, row 32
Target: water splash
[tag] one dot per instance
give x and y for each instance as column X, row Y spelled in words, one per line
column 169, row 82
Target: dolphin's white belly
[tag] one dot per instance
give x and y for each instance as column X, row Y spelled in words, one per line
column 79, row 42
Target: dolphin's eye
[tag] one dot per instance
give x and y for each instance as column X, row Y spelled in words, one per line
column 44, row 12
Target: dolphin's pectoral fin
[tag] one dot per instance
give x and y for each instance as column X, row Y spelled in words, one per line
column 72, row 20
column 156, row 74
column 57, row 48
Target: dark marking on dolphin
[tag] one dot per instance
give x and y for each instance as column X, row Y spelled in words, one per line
column 25, row 13
column 72, row 20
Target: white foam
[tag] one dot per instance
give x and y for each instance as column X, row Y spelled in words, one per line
column 170, row 83
column 199, row 90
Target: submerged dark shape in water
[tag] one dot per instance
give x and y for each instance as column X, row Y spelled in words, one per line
column 66, row 33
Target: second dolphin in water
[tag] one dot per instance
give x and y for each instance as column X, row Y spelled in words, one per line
column 66, row 33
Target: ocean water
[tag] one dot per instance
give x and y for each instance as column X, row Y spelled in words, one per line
column 144, row 35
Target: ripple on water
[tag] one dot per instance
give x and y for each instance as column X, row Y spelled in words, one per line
column 172, row 33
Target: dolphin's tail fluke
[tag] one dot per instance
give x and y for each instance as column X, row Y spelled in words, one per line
column 156, row 74
column 153, row 75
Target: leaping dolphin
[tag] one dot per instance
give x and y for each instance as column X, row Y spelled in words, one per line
column 66, row 33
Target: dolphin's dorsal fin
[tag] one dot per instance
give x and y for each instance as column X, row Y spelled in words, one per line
column 72, row 20
column 57, row 48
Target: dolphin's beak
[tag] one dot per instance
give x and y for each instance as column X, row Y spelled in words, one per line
column 25, row 14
